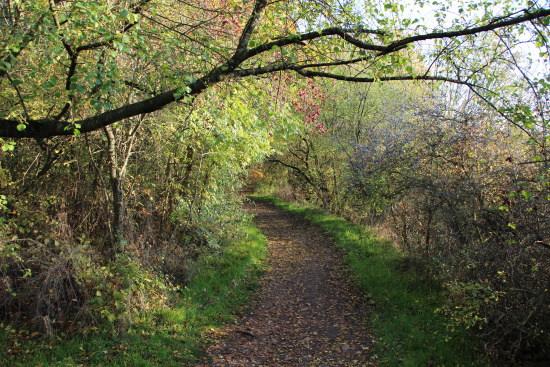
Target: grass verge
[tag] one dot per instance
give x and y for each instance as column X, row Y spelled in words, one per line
column 409, row 330
column 173, row 336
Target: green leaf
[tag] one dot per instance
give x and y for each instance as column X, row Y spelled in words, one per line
column 21, row 127
column 78, row 87
column 50, row 83
column 8, row 146
column 121, row 46
column 4, row 65
column 526, row 194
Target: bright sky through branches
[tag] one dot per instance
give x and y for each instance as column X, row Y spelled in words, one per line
column 422, row 16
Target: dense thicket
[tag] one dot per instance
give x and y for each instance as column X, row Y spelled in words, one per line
column 99, row 228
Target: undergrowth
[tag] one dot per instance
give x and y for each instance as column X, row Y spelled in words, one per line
column 409, row 329
column 173, row 336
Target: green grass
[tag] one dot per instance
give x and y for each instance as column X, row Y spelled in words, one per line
column 174, row 336
column 408, row 329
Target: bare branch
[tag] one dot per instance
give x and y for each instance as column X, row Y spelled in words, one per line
column 252, row 23
column 19, row 95
column 468, row 31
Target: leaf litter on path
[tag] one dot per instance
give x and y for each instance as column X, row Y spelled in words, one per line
column 307, row 311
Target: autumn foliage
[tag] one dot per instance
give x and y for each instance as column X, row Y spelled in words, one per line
column 457, row 191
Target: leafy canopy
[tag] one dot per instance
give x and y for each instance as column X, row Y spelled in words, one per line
column 70, row 67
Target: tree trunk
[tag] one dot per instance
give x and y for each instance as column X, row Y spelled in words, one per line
column 117, row 190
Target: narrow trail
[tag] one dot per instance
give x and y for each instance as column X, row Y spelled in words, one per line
column 307, row 311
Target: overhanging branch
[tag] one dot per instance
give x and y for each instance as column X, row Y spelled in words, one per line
column 319, row 74
column 469, row 31
column 47, row 127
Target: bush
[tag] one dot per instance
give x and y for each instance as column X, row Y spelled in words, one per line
column 62, row 287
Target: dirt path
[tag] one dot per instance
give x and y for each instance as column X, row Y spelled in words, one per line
column 307, row 313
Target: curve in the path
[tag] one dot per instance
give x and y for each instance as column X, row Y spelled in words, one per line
column 307, row 312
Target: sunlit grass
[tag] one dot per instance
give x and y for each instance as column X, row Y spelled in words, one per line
column 408, row 329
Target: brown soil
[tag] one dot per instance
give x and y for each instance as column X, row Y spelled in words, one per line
column 307, row 313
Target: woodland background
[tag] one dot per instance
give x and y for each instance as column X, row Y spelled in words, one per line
column 129, row 129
